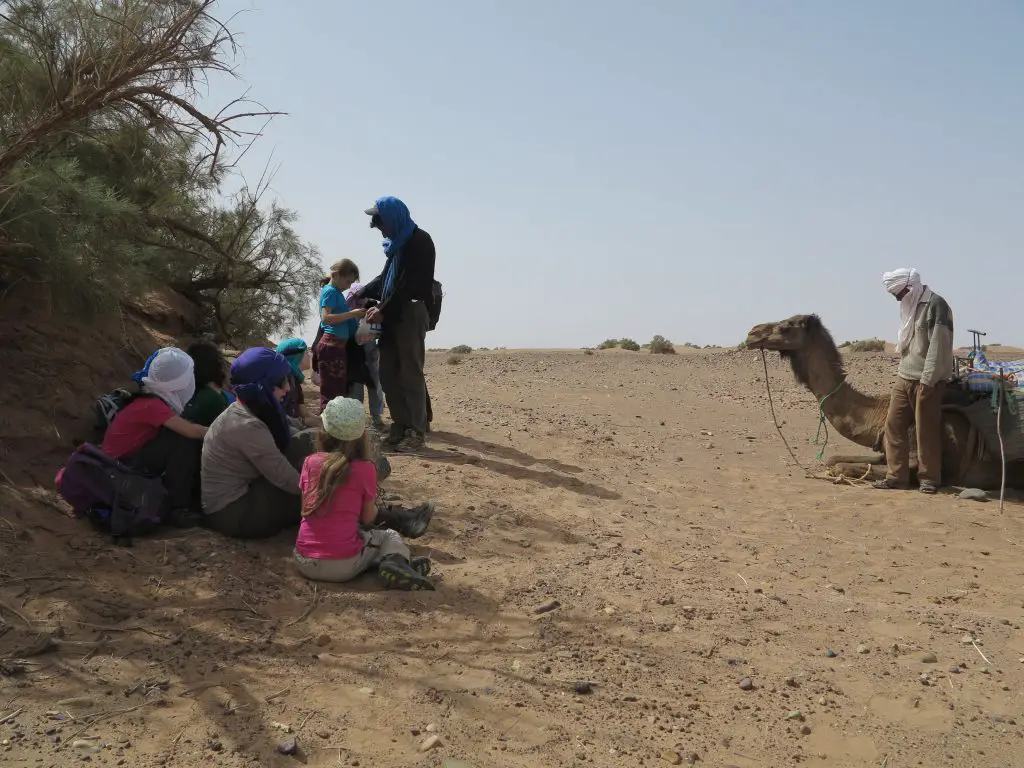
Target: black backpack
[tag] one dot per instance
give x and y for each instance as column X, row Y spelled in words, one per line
column 435, row 305
column 107, row 407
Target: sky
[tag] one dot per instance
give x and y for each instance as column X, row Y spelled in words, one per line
column 689, row 168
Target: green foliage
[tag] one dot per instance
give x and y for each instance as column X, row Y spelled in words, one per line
column 661, row 346
column 628, row 344
column 110, row 176
column 461, row 349
column 865, row 345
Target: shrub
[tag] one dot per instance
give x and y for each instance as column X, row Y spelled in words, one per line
column 867, row 345
column 461, row 349
column 588, row 351
column 661, row 346
column 629, row 345
column 453, row 359
column 608, row 344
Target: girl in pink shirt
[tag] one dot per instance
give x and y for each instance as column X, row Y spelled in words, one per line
column 339, row 489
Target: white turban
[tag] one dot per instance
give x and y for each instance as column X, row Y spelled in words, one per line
column 171, row 378
column 895, row 282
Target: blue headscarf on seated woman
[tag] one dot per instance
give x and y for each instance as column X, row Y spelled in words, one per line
column 138, row 376
column 255, row 374
column 294, row 350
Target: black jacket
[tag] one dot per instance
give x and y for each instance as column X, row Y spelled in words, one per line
column 415, row 278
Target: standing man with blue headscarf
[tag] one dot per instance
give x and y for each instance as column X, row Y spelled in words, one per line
column 405, row 295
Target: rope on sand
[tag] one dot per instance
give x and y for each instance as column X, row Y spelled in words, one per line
column 771, row 405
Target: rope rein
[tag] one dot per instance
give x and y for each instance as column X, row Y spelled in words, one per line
column 822, row 423
column 771, row 405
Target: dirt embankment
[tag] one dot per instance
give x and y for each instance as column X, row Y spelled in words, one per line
column 55, row 365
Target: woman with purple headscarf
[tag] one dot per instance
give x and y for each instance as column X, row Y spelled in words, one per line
column 251, row 460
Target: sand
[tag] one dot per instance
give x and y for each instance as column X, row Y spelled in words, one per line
column 630, row 572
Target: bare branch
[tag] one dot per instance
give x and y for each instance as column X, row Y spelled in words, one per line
column 145, row 60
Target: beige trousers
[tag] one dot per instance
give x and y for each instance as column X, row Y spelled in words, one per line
column 910, row 405
column 377, row 544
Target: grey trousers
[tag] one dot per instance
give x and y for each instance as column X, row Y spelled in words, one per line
column 378, row 543
column 265, row 510
column 402, row 350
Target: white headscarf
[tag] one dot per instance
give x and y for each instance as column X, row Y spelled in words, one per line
column 894, row 283
column 171, row 378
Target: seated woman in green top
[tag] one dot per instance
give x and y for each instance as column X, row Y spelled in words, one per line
column 210, row 398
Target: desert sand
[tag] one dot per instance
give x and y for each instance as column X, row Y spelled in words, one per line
column 630, row 572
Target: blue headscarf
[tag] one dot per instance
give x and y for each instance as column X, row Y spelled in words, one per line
column 293, row 350
column 138, row 376
column 394, row 214
column 254, row 375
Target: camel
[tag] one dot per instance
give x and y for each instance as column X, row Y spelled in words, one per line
column 807, row 345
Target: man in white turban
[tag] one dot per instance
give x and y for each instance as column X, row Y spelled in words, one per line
column 925, row 347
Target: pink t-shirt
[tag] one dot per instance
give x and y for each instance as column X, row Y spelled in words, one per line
column 332, row 532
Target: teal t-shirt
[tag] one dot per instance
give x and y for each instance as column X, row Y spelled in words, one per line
column 334, row 301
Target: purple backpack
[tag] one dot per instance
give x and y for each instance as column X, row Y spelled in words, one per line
column 117, row 499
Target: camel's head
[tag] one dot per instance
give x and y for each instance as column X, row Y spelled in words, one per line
column 786, row 336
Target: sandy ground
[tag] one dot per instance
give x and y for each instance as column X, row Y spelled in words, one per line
column 630, row 573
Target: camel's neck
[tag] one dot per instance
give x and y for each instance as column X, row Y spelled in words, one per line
column 858, row 417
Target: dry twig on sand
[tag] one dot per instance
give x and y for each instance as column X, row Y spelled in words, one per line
column 16, row 612
column 309, row 609
column 7, row 718
column 94, row 719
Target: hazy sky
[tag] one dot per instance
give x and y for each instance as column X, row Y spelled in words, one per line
column 684, row 167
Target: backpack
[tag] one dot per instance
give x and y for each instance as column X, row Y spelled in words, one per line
column 115, row 498
column 435, row 305
column 107, row 407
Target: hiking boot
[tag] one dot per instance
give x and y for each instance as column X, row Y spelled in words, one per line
column 395, row 435
column 421, row 565
column 412, row 442
column 397, row 573
column 409, row 523
column 889, row 484
column 419, row 521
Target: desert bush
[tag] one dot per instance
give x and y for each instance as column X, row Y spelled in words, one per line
column 867, row 345
column 454, row 358
column 608, row 344
column 661, row 346
column 588, row 351
column 113, row 177
column 629, row 345
column 461, row 349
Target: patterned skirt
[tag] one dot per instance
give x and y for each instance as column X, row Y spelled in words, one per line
column 332, row 367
